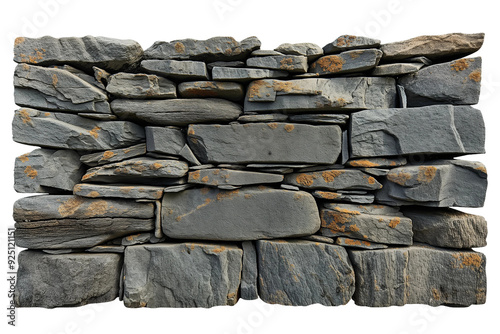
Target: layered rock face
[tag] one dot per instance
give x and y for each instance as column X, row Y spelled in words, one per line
column 197, row 172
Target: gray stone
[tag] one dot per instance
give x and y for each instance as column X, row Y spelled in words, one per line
column 299, row 273
column 439, row 129
column 176, row 69
column 440, row 183
column 47, row 171
column 242, row 214
column 289, row 187
column 117, row 191
column 347, row 62
column 179, row 112
column 386, row 228
column 277, row 170
column 99, row 117
column 58, row 90
column 176, row 189
column 265, row 143
column 345, row 154
column 166, row 140
column 218, row 177
column 367, row 209
column 140, row 86
column 403, row 100
column 447, row 227
column 67, row 280
column 106, row 249
column 81, row 74
column 350, row 42
column 262, row 166
column 295, row 64
column 418, row 275
column 315, row 168
column 249, row 273
column 265, row 53
column 377, row 162
column 58, row 130
column 236, row 63
column 348, row 198
column 316, row 95
column 419, row 59
column 319, row 238
column 355, row 243
column 136, row 169
column 244, row 74
column 182, row 275
column 202, row 89
column 137, row 239
column 101, row 76
column 187, row 154
column 396, row 69
column 333, row 179
column 262, row 118
column 106, row 157
column 107, row 53
column 456, row 82
column 61, row 251
column 436, row 47
column 320, row 118
column 210, row 50
column 376, row 171
column 205, row 166
column 309, row 50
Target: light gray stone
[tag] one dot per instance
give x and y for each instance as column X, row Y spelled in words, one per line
column 265, row 53
column 176, row 69
column 165, row 140
column 219, row 177
column 350, row 42
column 237, row 74
column 117, row 191
column 140, row 86
column 396, row 69
column 347, row 62
column 106, row 249
column 295, row 64
column 177, row 189
column 106, row 157
column 333, row 179
column 202, row 89
column 320, row 118
column 262, row 118
column 309, row 50
column 249, row 273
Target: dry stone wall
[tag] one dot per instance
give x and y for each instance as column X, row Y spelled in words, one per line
column 198, row 172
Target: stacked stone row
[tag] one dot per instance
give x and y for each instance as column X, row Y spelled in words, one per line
column 195, row 173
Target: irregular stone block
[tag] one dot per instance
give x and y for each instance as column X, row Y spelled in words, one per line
column 418, row 275
column 210, row 50
column 342, row 220
column 82, row 75
column 181, row 275
column 266, row 118
column 377, row 162
column 179, row 112
column 334, row 179
column 299, row 273
column 347, row 62
column 341, row 197
column 436, row 47
column 397, row 69
column 355, row 243
column 320, row 118
column 309, row 50
column 456, row 82
column 295, row 64
column 447, row 227
column 58, row 90
column 202, row 89
column 176, row 69
column 265, row 143
column 67, row 280
column 237, row 74
column 249, row 273
column 47, row 171
column 133, row 192
column 315, row 95
column 166, row 140
column 265, row 53
column 137, row 239
column 58, row 130
column 438, row 129
column 106, row 157
column 350, row 42
column 241, row 214
column 140, row 86
column 440, row 183
column 107, row 53
column 101, row 76
column 218, row 176
column 106, row 249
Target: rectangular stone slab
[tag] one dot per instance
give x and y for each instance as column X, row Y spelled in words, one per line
column 249, row 272
column 106, row 157
column 181, row 275
column 334, row 179
column 118, row 191
column 265, row 143
column 217, row 177
column 347, row 62
column 140, row 86
column 249, row 213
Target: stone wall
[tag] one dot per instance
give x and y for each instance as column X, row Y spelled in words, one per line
column 195, row 173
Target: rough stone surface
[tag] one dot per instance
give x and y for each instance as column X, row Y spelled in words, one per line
column 350, row 42
column 182, row 275
column 394, row 70
column 241, row 214
column 202, row 89
column 309, row 50
column 106, row 157
column 295, row 64
column 334, row 179
column 249, row 273
column 220, row 176
column 377, row 162
column 117, row 191
column 166, row 140
column 176, row 69
column 355, row 243
column 320, row 118
column 262, row 118
column 347, row 62
column 140, row 86
column 244, row 74
column 347, row 198
column 66, row 280
column 236, row 63
column 299, row 273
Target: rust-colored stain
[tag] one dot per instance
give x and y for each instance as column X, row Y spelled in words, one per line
column 471, row 260
column 248, row 196
column 286, row 64
column 351, row 212
column 194, row 175
column 330, row 64
column 95, row 132
column 25, row 116
column 354, row 228
column 426, row 174
column 399, row 178
column 179, row 47
column 97, row 208
column 227, row 194
column 30, row 172
column 93, row 194
column 69, row 207
column 24, row 157
column 305, row 179
column 394, row 222
column 355, row 54
column 481, row 169
column 156, row 166
column 460, row 65
column 330, row 175
column 204, row 179
column 272, row 125
column 289, row 127
column 341, row 102
column 363, row 163
column 475, row 75
column 54, row 79
column 218, row 249
column 435, row 294
column 18, row 41
column 328, row 195
column 107, row 155
column 254, row 89
column 345, row 40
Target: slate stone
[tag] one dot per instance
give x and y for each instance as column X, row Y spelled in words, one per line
column 317, row 95
column 66, row 131
column 58, row 90
column 107, row 53
column 419, row 59
column 289, row 187
column 210, row 50
column 299, row 273
column 182, row 275
column 436, row 47
column 179, row 112
column 176, row 69
column 236, row 63
column 187, row 154
column 295, row 64
column 376, row 171
column 438, row 129
column 396, row 69
column 244, row 75
column 265, row 143
column 140, row 86
column 67, row 280
column 355, row 243
column 265, row 53
column 347, row 62
column 261, row 166
column 318, row 238
column 350, row 42
column 366, row 209
column 166, row 140
column 249, row 272
column 81, row 74
column 320, row 118
column 243, row 214
column 309, row 50
column 61, row 251
column 202, row 89
column 342, row 220
column 135, row 170
column 347, row 198
column 101, row 76
column 117, row 191
column 98, row 117
column 403, row 100
column 447, row 228
column 47, row 171
column 106, row 157
column 440, row 183
column 176, row 189
column 418, row 275
column 137, row 239
column 205, row 166
column 106, row 249
column 218, row 177
column 456, row 82
column 377, row 162
column 333, row 179
column 262, row 118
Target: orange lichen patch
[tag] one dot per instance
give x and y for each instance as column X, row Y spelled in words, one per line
column 194, row 140
column 331, row 64
column 247, row 196
column 54, row 79
column 363, row 163
column 204, row 179
column 394, row 222
column 330, row 175
column 93, row 194
column 218, row 249
column 399, row 178
column 156, row 166
column 255, row 87
column 126, row 190
column 77, row 188
column 18, row 41
column 194, row 175
column 366, row 243
column 69, row 207
column 297, row 196
column 435, row 294
column 336, row 222
column 97, row 208
column 227, row 194
column 88, row 175
column 351, row 212
column 216, row 172
column 107, row 155
column 460, row 65
column 95, row 132
column 142, row 304
column 231, row 296
column 481, row 169
column 328, row 195
column 190, row 131
column 178, row 218
column 426, row 174
column 345, row 40
column 284, row 86
column 305, row 179
column 475, row 75
column 261, row 187
column 370, row 179
column 352, row 242
column 33, row 58
column 204, row 190
column 354, row 228
column 471, row 260
column 341, row 102
column 24, row 157
column 25, row 116
column 286, row 64
column 272, row 125
column 355, row 54
column 30, row 172
column 179, row 47
column 289, row 127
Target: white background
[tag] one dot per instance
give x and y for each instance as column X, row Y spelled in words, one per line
column 274, row 22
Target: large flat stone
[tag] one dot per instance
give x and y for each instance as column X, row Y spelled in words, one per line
column 350, row 42
column 165, row 140
column 299, row 273
column 238, row 74
column 439, row 129
column 265, row 143
column 249, row 272
column 295, row 64
column 118, row 191
column 140, row 86
column 66, row 131
column 177, row 69
column 309, row 50
column 109, row 156
column 202, row 89
column 222, row 176
column 347, row 62
column 242, row 214
column 334, row 179
column 66, row 280
column 181, row 275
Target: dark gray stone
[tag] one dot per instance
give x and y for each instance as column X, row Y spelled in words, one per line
column 101, row 76
column 397, row 69
column 106, row 249
column 166, row 140
column 176, row 69
column 265, row 53
column 295, row 64
column 106, row 157
column 236, row 63
column 377, row 162
column 347, row 198
column 319, row 238
column 355, row 243
column 137, row 239
column 187, row 154
column 249, row 273
column 202, row 89
column 81, row 74
column 218, row 177
column 347, row 62
column 309, row 50
column 262, row 118
column 99, row 117
column 320, row 118
column 177, row 189
column 334, row 179
column 350, row 42
column 237, row 74
column 117, row 191
column 140, row 86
